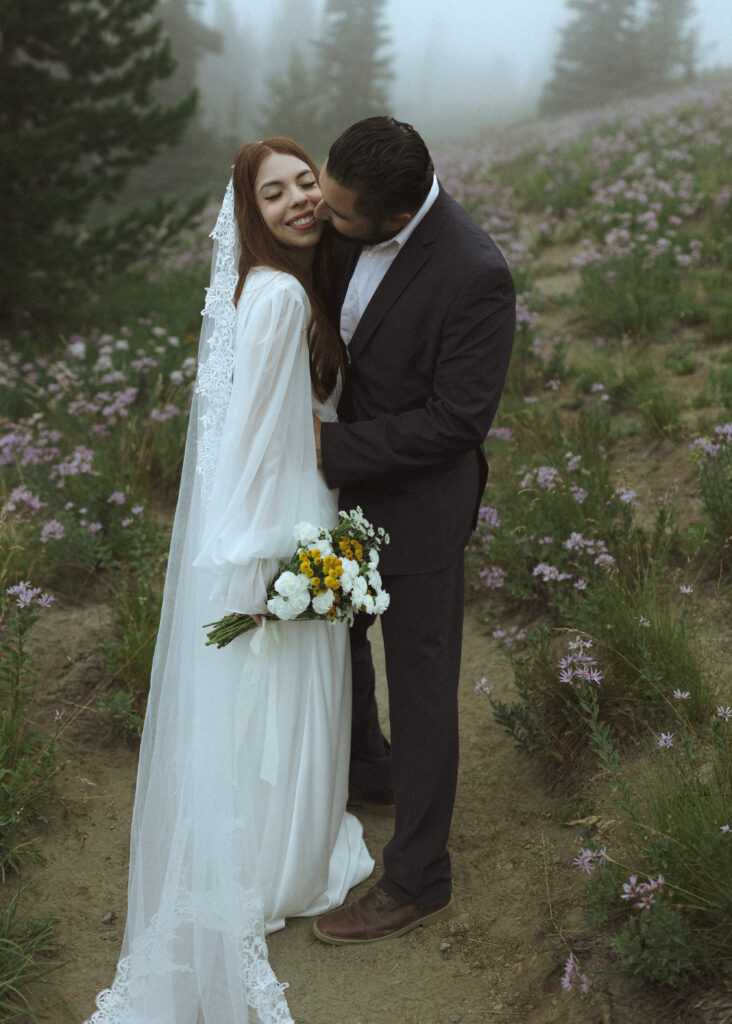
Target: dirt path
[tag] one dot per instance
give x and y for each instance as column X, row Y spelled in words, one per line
column 499, row 959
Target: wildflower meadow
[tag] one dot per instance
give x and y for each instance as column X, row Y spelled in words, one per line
column 602, row 554
column 600, row 565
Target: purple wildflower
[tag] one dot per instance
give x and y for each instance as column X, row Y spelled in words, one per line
column 501, row 434
column 53, row 530
column 573, row 976
column 489, row 517
column 626, row 494
column 492, row 577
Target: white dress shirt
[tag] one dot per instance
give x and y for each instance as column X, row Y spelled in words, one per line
column 372, row 266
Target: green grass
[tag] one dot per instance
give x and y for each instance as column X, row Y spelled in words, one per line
column 28, row 948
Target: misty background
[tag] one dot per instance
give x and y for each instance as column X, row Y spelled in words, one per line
column 111, row 114
column 472, row 64
column 263, row 69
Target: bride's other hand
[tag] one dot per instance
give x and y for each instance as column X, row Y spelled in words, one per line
column 316, row 427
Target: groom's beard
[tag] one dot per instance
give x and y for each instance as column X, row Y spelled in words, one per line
column 373, row 238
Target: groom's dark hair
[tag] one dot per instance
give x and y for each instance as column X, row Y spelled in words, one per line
column 386, row 163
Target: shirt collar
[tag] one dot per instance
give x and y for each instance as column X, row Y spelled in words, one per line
column 411, row 224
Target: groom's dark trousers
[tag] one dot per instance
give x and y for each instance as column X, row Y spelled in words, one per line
column 425, row 369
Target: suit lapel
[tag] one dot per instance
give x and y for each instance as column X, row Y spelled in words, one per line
column 408, row 263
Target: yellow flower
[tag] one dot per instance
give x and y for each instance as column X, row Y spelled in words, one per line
column 331, row 612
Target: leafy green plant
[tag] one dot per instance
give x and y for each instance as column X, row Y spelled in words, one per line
column 27, row 757
column 678, row 923
column 713, row 457
column 117, row 708
column 136, row 605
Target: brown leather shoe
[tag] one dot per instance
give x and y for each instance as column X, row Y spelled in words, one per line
column 381, row 808
column 376, row 916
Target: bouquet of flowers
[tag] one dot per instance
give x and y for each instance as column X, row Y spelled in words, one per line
column 331, row 576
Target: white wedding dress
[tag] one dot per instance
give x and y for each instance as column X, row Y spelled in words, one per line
column 239, row 819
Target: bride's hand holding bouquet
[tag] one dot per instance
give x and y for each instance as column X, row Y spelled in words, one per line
column 332, row 575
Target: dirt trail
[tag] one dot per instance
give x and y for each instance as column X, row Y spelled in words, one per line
column 499, row 959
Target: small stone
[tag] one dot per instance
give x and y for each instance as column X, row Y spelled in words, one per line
column 456, row 1018
column 445, row 947
column 109, row 917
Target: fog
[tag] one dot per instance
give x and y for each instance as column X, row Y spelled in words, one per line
column 472, row 62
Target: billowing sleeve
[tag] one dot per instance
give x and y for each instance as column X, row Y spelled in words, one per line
column 266, row 476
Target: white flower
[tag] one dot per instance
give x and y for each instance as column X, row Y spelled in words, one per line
column 290, row 584
column 381, row 602
column 369, row 605
column 306, row 534
column 374, row 578
column 373, row 558
column 78, row 349
column 323, row 602
column 358, row 591
column 279, row 607
column 103, row 363
column 350, row 573
column 289, row 608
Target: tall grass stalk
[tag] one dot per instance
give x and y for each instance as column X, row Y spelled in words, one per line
column 27, row 946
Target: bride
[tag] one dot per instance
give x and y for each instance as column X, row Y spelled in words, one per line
column 239, row 819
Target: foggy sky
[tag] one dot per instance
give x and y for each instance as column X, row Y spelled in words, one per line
column 480, row 59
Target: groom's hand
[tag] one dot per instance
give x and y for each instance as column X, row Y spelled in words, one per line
column 316, row 427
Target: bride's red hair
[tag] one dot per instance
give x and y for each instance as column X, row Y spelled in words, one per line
column 259, row 247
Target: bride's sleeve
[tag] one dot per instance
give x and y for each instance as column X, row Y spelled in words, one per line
column 266, row 468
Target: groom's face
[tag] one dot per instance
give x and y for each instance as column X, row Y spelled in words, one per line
column 339, row 206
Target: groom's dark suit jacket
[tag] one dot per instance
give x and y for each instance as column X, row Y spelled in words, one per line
column 424, row 374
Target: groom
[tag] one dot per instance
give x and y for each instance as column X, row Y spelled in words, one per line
column 426, row 308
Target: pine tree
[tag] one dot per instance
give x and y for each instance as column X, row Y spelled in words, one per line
column 670, row 45
column 600, row 57
column 353, row 70
column 190, row 41
column 230, row 81
column 292, row 105
column 77, row 115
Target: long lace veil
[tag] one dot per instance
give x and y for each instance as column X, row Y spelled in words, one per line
column 194, row 947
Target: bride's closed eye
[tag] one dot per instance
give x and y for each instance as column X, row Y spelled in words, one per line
column 278, row 195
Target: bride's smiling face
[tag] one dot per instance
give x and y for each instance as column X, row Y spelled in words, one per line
column 287, row 193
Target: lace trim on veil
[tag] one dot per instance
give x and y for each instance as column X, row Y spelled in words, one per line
column 264, row 992
column 214, row 381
